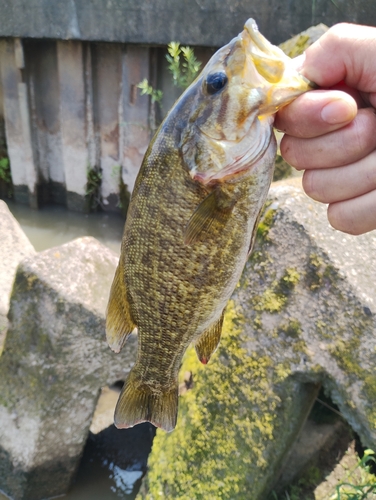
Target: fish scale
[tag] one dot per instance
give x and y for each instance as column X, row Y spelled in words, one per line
column 192, row 220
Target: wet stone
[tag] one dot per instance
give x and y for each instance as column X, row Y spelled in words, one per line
column 55, row 361
column 14, row 246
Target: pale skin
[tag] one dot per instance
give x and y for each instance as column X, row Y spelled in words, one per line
column 331, row 133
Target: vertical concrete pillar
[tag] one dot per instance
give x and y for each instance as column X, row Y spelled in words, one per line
column 42, row 77
column 107, row 80
column 17, row 122
column 73, row 121
column 135, row 125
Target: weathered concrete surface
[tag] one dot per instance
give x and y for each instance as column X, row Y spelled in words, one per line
column 73, row 121
column 303, row 314
column 77, row 108
column 134, row 129
column 55, row 361
column 14, row 246
column 205, row 22
column 17, row 120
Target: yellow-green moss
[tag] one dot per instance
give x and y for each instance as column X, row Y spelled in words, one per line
column 296, row 45
column 266, row 223
column 282, row 169
column 275, row 298
column 292, row 329
column 319, row 274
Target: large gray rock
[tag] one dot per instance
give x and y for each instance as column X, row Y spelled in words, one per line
column 55, row 361
column 14, row 246
column 302, row 316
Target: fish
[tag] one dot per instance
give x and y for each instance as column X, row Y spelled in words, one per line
column 192, row 219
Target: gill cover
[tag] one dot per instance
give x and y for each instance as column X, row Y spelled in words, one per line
column 238, row 92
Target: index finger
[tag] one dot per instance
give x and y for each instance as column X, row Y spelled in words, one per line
column 316, row 113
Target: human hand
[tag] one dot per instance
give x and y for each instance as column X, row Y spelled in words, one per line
column 331, row 134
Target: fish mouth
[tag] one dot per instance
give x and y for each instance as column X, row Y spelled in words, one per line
column 275, row 67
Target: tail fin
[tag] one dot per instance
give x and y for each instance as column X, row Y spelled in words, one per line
column 138, row 403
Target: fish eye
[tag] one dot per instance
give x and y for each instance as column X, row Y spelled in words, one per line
column 215, row 82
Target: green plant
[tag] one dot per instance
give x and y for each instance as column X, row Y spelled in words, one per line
column 146, row 89
column 5, row 175
column 93, row 184
column 183, row 64
column 360, row 483
column 183, row 67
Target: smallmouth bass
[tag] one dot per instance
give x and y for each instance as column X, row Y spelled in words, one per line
column 193, row 217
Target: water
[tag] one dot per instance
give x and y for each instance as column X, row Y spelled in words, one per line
column 54, row 225
column 114, row 460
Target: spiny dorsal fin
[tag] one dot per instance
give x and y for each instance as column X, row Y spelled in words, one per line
column 208, row 341
column 216, row 207
column 119, row 322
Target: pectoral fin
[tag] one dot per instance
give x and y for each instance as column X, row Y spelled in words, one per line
column 254, row 233
column 208, row 341
column 216, row 207
column 119, row 322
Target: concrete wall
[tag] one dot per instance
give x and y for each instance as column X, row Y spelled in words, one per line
column 70, row 106
column 209, row 23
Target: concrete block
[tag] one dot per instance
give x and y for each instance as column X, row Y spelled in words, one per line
column 54, row 363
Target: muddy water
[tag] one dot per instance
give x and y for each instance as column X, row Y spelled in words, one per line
column 54, row 225
column 113, row 461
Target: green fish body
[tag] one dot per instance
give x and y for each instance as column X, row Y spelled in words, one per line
column 192, row 219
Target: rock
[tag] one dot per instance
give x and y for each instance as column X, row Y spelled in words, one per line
column 299, row 43
column 14, row 246
column 55, row 361
column 302, row 315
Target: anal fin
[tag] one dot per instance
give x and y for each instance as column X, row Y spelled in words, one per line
column 138, row 403
column 119, row 322
column 208, row 341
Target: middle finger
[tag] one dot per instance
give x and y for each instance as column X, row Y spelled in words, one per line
column 340, row 147
column 330, row 185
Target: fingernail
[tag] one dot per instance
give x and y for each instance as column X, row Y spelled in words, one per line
column 338, row 111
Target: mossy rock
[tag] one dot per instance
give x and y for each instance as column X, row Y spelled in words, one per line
column 219, row 448
column 296, row 45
